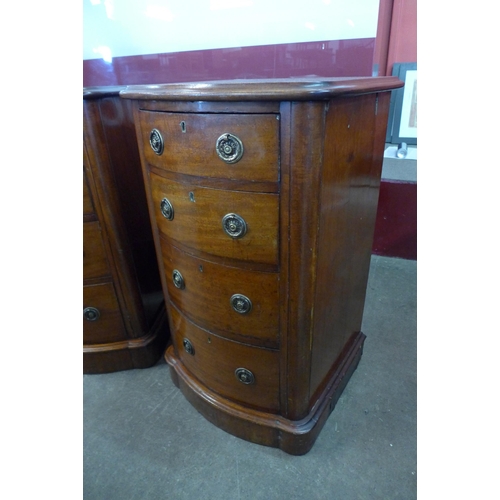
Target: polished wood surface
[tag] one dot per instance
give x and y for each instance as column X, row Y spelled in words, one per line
column 348, row 206
column 292, row 436
column 88, row 206
column 300, row 240
column 198, row 214
column 110, row 326
column 279, row 89
column 190, row 148
column 120, row 272
column 208, row 289
column 215, row 360
column 95, row 263
column 305, row 263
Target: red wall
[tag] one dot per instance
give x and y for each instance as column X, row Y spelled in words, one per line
column 396, row 34
column 396, row 226
column 396, row 42
column 327, row 58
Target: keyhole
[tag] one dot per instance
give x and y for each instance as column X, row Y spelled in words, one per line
column 183, row 127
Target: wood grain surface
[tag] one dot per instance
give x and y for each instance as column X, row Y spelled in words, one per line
column 304, row 261
column 120, row 273
column 191, row 149
column 198, row 224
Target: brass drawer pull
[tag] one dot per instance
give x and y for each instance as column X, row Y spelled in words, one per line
column 241, row 304
column 156, row 141
column 188, row 347
column 178, row 279
column 91, row 314
column 167, row 209
column 244, row 376
column 234, row 225
column 229, row 148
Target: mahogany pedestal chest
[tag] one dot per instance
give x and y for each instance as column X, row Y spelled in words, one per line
column 263, row 196
column 124, row 319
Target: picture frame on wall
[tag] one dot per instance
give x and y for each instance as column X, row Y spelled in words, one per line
column 402, row 126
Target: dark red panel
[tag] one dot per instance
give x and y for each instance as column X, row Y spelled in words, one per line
column 328, row 58
column 396, row 225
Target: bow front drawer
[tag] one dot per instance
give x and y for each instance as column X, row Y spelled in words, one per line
column 232, row 302
column 245, row 374
column 102, row 320
column 95, row 263
column 241, row 146
column 233, row 224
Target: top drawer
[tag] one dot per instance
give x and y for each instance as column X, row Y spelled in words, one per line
column 189, row 143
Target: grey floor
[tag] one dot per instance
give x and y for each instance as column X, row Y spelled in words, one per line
column 143, row 440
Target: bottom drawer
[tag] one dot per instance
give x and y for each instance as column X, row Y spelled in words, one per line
column 102, row 320
column 249, row 375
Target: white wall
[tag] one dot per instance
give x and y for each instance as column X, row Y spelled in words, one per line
column 114, row 28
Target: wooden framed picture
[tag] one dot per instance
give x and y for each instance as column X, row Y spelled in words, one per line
column 402, row 126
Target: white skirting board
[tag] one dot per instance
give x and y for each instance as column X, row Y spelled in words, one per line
column 390, row 152
column 400, row 169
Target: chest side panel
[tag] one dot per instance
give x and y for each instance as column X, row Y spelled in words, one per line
column 354, row 143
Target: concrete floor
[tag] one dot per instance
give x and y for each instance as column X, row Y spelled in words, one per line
column 143, row 440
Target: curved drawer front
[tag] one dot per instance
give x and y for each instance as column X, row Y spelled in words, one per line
column 101, row 306
column 215, row 361
column 209, row 288
column 88, row 206
column 189, row 144
column 197, row 214
column 95, row 263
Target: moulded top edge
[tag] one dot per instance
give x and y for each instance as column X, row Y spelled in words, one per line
column 259, row 89
column 102, row 91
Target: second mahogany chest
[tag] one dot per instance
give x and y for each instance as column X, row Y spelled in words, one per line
column 124, row 319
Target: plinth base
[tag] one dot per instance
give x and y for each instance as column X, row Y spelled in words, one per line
column 268, row 429
column 142, row 352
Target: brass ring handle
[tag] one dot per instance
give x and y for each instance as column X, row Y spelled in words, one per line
column 241, row 304
column 244, row 376
column 188, row 347
column 229, row 148
column 156, row 141
column 166, row 208
column 234, row 225
column 91, row 314
column 178, row 280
